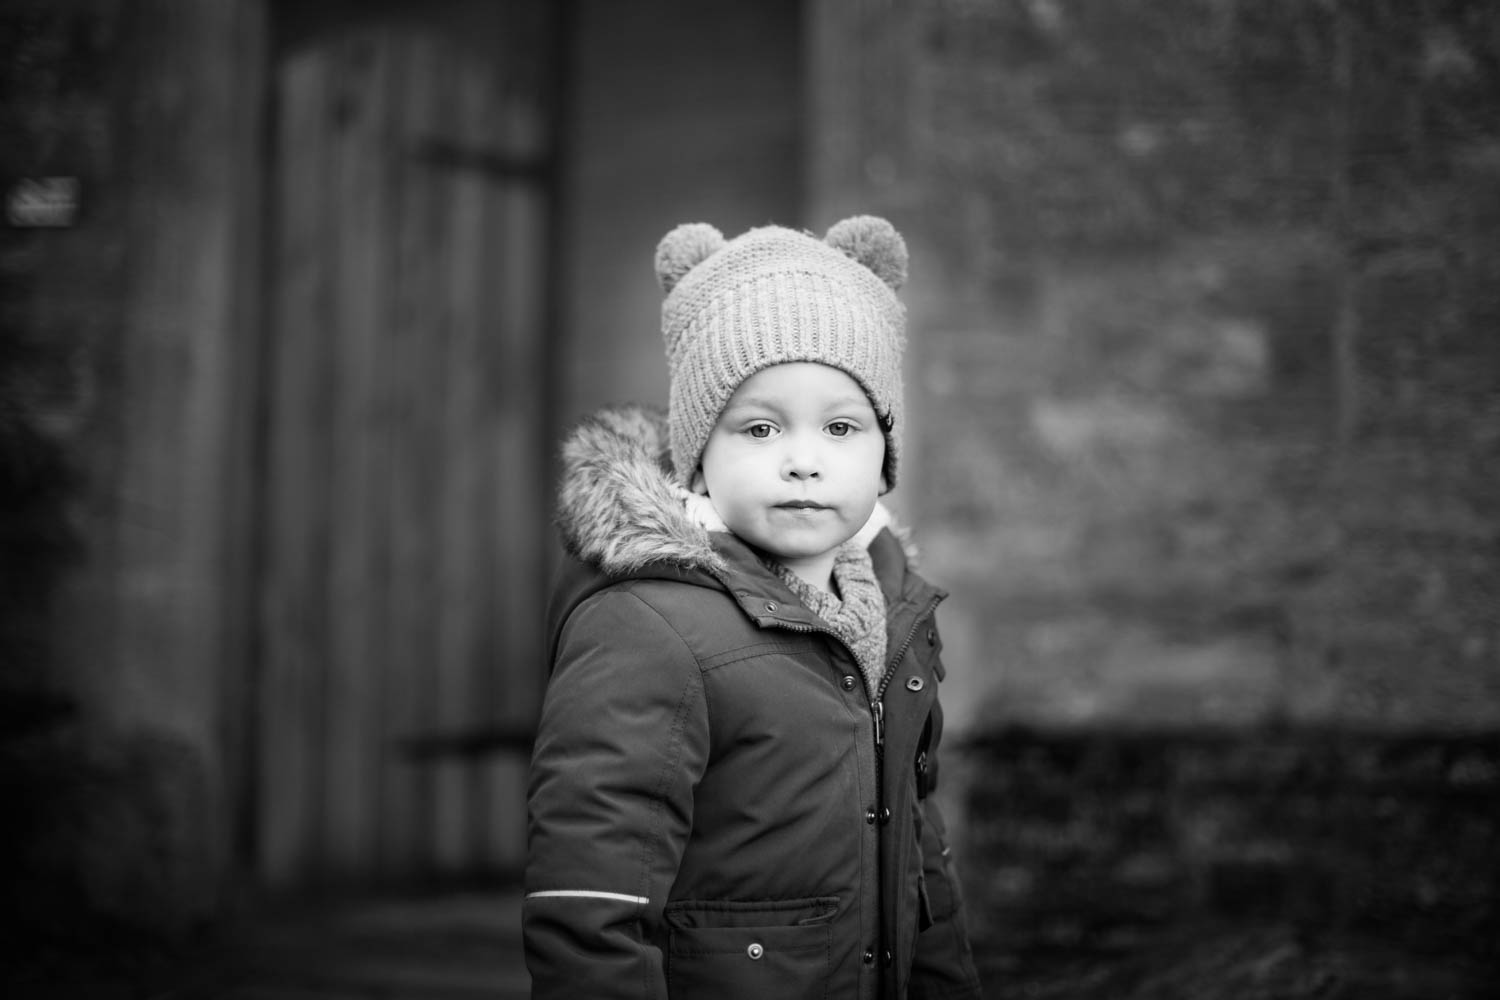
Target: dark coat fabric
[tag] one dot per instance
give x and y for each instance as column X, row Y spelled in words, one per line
column 718, row 807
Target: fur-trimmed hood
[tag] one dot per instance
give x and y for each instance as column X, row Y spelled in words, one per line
column 620, row 509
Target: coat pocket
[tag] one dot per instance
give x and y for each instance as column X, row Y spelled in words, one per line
column 732, row 950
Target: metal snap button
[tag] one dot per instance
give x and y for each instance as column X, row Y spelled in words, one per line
column 848, row 682
column 755, row 951
column 770, row 605
column 914, row 684
column 932, row 637
column 870, row 816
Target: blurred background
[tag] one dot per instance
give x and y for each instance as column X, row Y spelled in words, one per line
column 296, row 299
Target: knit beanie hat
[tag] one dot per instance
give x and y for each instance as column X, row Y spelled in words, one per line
column 772, row 296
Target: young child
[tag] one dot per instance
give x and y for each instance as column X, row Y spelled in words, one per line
column 730, row 788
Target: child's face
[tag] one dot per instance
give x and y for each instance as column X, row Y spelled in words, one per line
column 793, row 464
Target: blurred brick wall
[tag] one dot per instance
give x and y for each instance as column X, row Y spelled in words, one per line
column 1210, row 864
column 1206, row 389
column 114, row 333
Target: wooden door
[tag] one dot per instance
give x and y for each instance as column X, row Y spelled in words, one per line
column 404, row 511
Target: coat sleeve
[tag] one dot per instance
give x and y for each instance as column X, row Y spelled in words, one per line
column 622, row 741
column 943, row 966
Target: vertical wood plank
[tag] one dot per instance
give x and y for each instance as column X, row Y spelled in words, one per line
column 448, row 709
column 407, row 682
column 468, row 555
column 293, row 612
column 357, row 156
column 519, row 503
column 489, row 525
column 393, row 812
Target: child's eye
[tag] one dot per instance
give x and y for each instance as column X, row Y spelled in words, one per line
column 760, row 431
column 840, row 428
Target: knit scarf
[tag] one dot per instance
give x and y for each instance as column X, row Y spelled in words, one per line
column 856, row 615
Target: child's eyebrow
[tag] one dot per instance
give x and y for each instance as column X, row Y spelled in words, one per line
column 749, row 403
column 844, row 404
column 756, row 403
column 849, row 401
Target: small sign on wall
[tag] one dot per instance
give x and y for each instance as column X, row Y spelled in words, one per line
column 43, row 202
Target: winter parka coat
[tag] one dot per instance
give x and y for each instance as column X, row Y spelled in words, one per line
column 718, row 806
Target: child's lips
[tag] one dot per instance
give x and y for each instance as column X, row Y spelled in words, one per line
column 802, row 505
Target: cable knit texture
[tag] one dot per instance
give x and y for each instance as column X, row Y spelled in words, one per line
column 856, row 615
column 773, row 296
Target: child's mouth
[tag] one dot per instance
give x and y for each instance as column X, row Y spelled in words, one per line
column 801, row 505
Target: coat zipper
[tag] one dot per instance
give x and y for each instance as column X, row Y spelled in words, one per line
column 877, row 704
column 877, row 709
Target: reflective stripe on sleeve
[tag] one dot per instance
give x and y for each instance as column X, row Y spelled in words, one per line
column 618, row 897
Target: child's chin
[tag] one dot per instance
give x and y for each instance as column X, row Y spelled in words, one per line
column 814, row 550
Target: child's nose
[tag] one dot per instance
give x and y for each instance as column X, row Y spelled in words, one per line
column 801, row 462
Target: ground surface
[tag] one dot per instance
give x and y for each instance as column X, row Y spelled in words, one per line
column 446, row 946
column 1127, row 866
column 1281, row 864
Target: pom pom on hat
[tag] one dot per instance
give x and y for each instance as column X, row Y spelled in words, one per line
column 683, row 249
column 873, row 242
